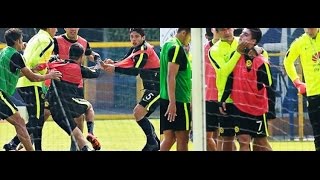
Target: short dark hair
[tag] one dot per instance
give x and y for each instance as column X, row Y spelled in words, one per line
column 138, row 30
column 256, row 34
column 11, row 35
column 237, row 31
column 188, row 30
column 76, row 51
column 209, row 32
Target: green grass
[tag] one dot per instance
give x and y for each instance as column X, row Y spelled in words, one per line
column 120, row 135
column 114, row 135
column 280, row 146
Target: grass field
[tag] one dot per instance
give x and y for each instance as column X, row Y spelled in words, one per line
column 114, row 135
column 289, row 145
column 120, row 135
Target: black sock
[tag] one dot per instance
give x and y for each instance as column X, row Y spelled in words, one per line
column 90, row 126
column 154, row 133
column 15, row 141
column 147, row 129
column 73, row 146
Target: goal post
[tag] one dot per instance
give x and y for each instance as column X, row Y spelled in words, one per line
column 198, row 89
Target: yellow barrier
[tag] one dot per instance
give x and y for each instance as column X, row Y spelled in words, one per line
column 106, row 44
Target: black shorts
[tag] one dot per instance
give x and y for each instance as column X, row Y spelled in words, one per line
column 228, row 122
column 150, row 101
column 71, row 108
column 80, row 93
column 213, row 116
column 255, row 126
column 182, row 121
column 7, row 108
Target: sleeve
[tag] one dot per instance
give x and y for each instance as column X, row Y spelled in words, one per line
column 221, row 66
column 16, row 62
column 89, row 73
column 288, row 62
column 56, row 47
column 130, row 67
column 265, row 77
column 88, row 50
column 127, row 71
column 228, row 88
column 265, row 54
column 176, row 55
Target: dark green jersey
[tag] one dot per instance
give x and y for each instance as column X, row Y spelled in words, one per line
column 172, row 51
column 8, row 79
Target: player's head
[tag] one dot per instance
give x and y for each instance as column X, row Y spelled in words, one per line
column 72, row 33
column 251, row 35
column 184, row 35
column 51, row 31
column 13, row 37
column 225, row 34
column 312, row 32
column 76, row 52
column 209, row 34
column 237, row 31
column 137, row 36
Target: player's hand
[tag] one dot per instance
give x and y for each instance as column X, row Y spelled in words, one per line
column 223, row 108
column 108, row 61
column 108, row 67
column 171, row 112
column 300, row 86
column 54, row 58
column 54, row 74
column 242, row 47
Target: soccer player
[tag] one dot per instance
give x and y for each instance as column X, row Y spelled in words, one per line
column 12, row 64
column 212, row 110
column 38, row 51
column 223, row 65
column 246, row 86
column 307, row 47
column 175, row 91
column 64, row 99
column 62, row 44
column 142, row 60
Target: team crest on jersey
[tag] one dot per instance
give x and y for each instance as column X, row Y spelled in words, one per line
column 236, row 129
column 249, row 63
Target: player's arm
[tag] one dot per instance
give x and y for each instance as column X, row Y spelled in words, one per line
column 223, row 67
column 140, row 61
column 228, row 88
column 89, row 73
column 17, row 62
column 264, row 76
column 289, row 60
column 226, row 93
column 56, row 46
column 177, row 59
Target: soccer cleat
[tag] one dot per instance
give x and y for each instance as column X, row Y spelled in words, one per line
column 154, row 145
column 85, row 148
column 94, row 141
column 9, row 147
column 151, row 147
